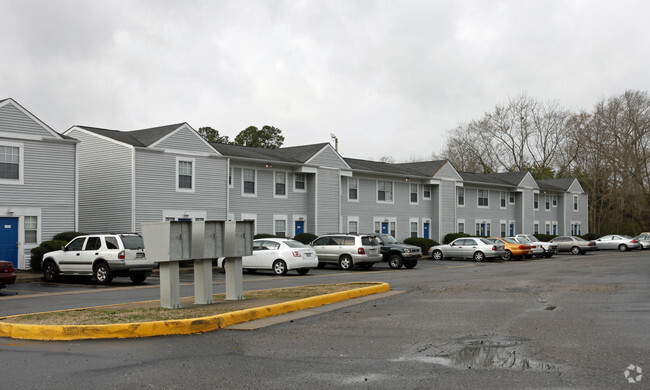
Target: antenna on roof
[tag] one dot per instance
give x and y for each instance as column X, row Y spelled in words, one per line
column 336, row 141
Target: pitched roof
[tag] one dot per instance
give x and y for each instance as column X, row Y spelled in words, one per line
column 425, row 168
column 292, row 154
column 141, row 138
column 556, row 184
column 379, row 167
column 504, row 178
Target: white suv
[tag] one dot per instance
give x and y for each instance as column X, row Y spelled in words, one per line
column 103, row 256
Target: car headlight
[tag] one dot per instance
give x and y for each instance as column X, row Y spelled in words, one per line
column 407, row 251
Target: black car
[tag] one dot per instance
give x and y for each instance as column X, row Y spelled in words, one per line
column 396, row 253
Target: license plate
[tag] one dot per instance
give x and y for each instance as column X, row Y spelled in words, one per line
column 139, row 255
column 309, row 254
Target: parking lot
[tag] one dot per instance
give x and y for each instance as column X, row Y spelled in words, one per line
column 569, row 321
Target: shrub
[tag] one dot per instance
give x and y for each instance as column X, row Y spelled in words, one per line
column 544, row 237
column 452, row 236
column 67, row 236
column 423, row 243
column 591, row 236
column 39, row 251
column 263, row 235
column 305, row 238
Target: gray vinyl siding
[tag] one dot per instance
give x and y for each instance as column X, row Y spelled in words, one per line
column 13, row 120
column 187, row 140
column 105, row 196
column 265, row 205
column 447, row 171
column 328, row 158
column 328, row 187
column 493, row 214
column 155, row 186
column 446, row 198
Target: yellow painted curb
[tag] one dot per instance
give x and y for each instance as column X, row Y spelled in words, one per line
column 177, row 327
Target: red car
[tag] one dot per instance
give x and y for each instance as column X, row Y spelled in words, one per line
column 7, row 275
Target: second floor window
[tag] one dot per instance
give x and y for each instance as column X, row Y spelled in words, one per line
column 353, row 185
column 185, row 174
column 414, row 193
column 536, row 201
column 503, row 199
column 483, row 198
column 385, row 191
column 280, row 184
column 299, row 182
column 460, row 196
column 9, row 162
column 426, row 191
column 249, row 181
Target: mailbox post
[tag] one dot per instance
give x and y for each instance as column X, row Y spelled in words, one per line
column 238, row 242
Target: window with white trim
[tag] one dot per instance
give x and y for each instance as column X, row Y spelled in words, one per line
column 536, row 227
column 248, row 180
column 299, row 182
column 31, row 229
column 185, row 177
column 547, row 227
column 575, row 202
column 353, row 226
column 426, row 191
column 503, row 195
column 280, row 227
column 414, row 193
column 461, row 226
column 10, row 166
column 511, row 198
column 377, row 227
column 392, row 228
column 536, row 201
column 414, row 228
column 503, row 229
column 384, row 191
column 547, row 202
column 483, row 197
column 554, row 200
column 460, row 196
column 280, row 184
column 230, row 179
column 353, row 188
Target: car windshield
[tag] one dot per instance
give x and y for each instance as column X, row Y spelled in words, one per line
column 510, row 240
column 294, row 244
column 388, row 239
column 133, row 242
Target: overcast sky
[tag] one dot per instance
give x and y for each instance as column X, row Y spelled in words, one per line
column 386, row 77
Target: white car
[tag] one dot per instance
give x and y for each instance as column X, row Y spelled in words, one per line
column 103, row 256
column 540, row 248
column 279, row 255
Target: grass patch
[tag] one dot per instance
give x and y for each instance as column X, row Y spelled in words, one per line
column 151, row 310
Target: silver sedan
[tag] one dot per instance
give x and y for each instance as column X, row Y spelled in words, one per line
column 618, row 241
column 477, row 248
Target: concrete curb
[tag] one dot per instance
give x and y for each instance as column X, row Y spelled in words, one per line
column 177, row 327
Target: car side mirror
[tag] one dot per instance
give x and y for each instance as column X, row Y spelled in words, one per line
column 63, row 248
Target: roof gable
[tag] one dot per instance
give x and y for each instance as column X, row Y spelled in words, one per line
column 568, row 184
column 511, row 179
column 294, row 155
column 140, row 138
column 184, row 138
column 14, row 118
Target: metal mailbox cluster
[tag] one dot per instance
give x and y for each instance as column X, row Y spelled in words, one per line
column 170, row 242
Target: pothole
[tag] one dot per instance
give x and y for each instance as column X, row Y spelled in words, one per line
column 480, row 352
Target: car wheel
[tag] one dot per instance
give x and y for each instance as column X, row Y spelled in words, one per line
column 395, row 261
column 102, row 273
column 575, row 250
column 410, row 264
column 623, row 248
column 479, row 256
column 437, row 254
column 138, row 277
column 302, row 271
column 366, row 265
column 346, row 262
column 50, row 271
column 280, row 267
column 507, row 256
column 548, row 255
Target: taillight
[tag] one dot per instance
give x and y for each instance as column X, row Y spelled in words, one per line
column 590, row 244
column 533, row 246
column 634, row 242
column 361, row 251
column 522, row 247
column 494, row 247
column 296, row 254
column 121, row 255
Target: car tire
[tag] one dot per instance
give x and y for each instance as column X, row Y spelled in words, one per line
column 302, row 271
column 506, row 256
column 50, row 271
column 280, row 267
column 437, row 254
column 138, row 277
column 346, row 263
column 575, row 250
column 623, row 248
column 479, row 256
column 410, row 264
column 102, row 273
column 395, row 261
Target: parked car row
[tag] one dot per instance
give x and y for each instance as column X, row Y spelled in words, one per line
column 105, row 256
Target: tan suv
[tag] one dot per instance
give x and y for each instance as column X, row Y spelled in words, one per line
column 103, row 256
column 347, row 250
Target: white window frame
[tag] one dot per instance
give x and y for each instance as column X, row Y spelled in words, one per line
column 31, row 229
column 503, row 227
column 355, row 220
column 576, row 205
column 536, row 201
column 356, row 180
column 251, row 217
column 460, row 189
column 458, row 222
column 547, row 202
column 173, row 215
column 553, row 200
column 512, row 197
column 286, row 187
column 488, row 227
column 243, row 181
column 21, row 163
column 231, row 177
column 392, row 192
column 304, row 182
column 503, row 199
column 284, row 218
column 479, row 197
column 417, row 193
column 547, row 227
column 535, row 227
column 178, row 163
column 424, row 186
column 415, row 221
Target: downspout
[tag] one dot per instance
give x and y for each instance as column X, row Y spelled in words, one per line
column 316, row 202
column 76, row 186
column 228, row 178
column 133, row 218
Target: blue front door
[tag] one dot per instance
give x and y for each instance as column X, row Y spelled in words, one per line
column 426, row 229
column 482, row 231
column 9, row 240
column 554, row 229
column 300, row 227
column 384, row 228
column 512, row 229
